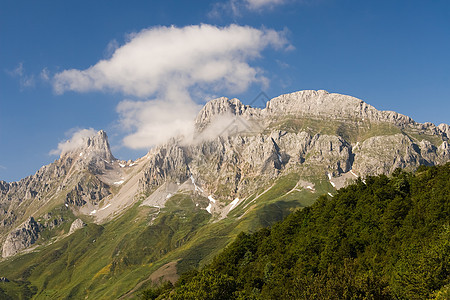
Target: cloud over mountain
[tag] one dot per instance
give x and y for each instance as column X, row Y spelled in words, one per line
column 77, row 139
column 165, row 66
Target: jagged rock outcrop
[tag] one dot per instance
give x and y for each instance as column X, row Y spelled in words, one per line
column 237, row 149
column 88, row 189
column 166, row 163
column 445, row 129
column 94, row 154
column 74, row 178
column 227, row 164
column 77, row 224
column 21, row 238
column 224, row 106
column 383, row 154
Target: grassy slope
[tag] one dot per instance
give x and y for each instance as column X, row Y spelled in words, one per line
column 351, row 130
column 107, row 261
column 388, row 238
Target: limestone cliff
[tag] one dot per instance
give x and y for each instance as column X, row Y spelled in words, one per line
column 237, row 151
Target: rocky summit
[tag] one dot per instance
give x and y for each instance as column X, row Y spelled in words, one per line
column 180, row 204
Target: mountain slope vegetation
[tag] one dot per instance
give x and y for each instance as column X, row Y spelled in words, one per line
column 90, row 226
column 382, row 238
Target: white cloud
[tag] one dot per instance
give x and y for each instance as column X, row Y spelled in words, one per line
column 78, row 139
column 111, row 48
column 45, row 74
column 25, row 80
column 236, row 7
column 259, row 4
column 169, row 65
column 161, row 57
column 154, row 122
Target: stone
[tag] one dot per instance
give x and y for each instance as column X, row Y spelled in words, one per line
column 21, row 238
column 77, row 224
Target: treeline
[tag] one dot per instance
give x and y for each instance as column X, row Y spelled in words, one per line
column 385, row 238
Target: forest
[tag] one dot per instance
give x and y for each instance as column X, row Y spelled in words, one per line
column 379, row 238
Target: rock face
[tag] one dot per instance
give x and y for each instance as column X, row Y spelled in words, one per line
column 94, row 154
column 74, row 177
column 21, row 238
column 77, row 224
column 237, row 150
column 330, row 106
column 308, row 132
column 224, row 106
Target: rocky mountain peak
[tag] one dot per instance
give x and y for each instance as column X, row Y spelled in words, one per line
column 223, row 106
column 91, row 147
column 320, row 104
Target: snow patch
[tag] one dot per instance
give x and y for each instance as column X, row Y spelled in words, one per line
column 351, row 172
column 122, row 165
column 93, row 212
column 119, row 182
column 279, row 158
column 67, row 205
column 105, row 207
column 133, row 164
column 211, row 200
column 331, row 195
column 197, row 188
column 234, row 203
column 208, row 208
column 168, row 196
column 81, row 154
column 309, row 187
column 329, row 178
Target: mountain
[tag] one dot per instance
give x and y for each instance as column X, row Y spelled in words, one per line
column 335, row 249
column 73, row 183
column 94, row 226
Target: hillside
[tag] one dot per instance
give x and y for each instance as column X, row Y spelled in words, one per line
column 385, row 238
column 91, row 226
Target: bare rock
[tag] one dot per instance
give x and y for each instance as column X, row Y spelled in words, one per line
column 77, row 224
column 21, row 238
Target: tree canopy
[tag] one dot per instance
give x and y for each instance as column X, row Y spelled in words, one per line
column 381, row 238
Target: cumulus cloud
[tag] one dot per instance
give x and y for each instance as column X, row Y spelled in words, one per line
column 158, row 58
column 165, row 66
column 78, row 139
column 154, row 122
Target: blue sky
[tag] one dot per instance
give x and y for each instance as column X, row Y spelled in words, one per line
column 64, row 64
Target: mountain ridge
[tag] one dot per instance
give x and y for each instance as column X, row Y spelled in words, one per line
column 244, row 168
